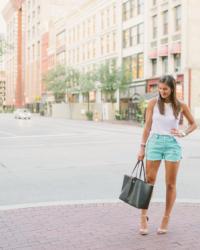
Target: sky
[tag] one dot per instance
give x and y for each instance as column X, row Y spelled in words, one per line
column 2, row 23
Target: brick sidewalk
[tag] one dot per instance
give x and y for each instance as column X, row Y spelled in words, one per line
column 109, row 226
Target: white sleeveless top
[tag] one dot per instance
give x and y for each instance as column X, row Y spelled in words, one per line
column 162, row 124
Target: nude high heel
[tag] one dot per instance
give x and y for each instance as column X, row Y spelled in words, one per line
column 144, row 231
column 163, row 230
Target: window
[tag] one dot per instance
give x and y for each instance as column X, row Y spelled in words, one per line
column 94, row 24
column 38, row 28
column 133, row 36
column 29, row 54
column 33, row 15
column 177, row 18
column 88, row 27
column 125, row 10
column 29, row 20
column 114, row 14
column 88, row 51
column 78, row 33
column 154, row 26
column 83, row 29
column 108, row 17
column 33, row 31
column 108, row 43
column 177, row 62
column 60, row 39
column 93, row 49
column 102, row 49
column 77, row 55
column 29, row 34
column 140, row 7
column 127, row 66
column 38, row 10
column 135, row 65
column 102, row 20
column 33, row 52
column 126, row 38
column 165, row 22
column 154, row 67
column 140, row 66
column 164, row 64
column 114, row 41
column 29, row 4
column 140, row 33
column 38, row 49
column 73, row 35
column 73, row 56
column 133, row 8
column 83, row 52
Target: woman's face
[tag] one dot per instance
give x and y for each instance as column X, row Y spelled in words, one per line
column 164, row 90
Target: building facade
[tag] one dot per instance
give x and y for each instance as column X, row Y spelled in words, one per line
column 2, row 72
column 27, row 22
column 164, row 42
column 11, row 16
column 150, row 38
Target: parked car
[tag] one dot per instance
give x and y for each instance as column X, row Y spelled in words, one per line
column 22, row 114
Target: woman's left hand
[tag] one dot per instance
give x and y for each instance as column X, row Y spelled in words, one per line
column 176, row 132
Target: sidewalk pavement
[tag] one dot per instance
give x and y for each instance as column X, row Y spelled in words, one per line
column 100, row 226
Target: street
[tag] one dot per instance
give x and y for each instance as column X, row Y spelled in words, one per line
column 52, row 160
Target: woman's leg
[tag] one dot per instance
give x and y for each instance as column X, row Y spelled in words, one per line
column 151, row 173
column 171, row 169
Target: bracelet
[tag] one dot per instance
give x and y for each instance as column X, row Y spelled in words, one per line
column 183, row 133
column 143, row 145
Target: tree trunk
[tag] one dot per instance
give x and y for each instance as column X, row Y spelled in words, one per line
column 88, row 98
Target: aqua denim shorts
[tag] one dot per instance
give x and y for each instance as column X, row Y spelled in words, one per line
column 163, row 147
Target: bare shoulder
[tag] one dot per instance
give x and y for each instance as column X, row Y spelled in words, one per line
column 152, row 102
column 184, row 106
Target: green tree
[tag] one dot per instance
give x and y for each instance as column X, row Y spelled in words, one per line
column 4, row 46
column 87, row 84
column 55, row 81
column 112, row 79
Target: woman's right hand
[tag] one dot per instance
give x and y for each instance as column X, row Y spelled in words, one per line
column 141, row 154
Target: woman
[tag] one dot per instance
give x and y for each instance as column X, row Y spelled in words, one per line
column 161, row 129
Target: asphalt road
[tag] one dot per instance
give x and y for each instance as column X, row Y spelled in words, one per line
column 50, row 160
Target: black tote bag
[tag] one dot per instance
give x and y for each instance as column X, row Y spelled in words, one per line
column 135, row 191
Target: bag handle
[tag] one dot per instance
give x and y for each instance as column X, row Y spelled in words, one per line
column 139, row 165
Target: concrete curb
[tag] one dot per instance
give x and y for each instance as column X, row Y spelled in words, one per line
column 84, row 202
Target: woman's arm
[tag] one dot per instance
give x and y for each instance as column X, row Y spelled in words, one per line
column 147, row 128
column 191, row 122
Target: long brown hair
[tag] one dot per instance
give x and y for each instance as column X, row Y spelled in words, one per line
column 176, row 105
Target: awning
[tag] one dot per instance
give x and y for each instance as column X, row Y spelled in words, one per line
column 163, row 51
column 153, row 54
column 175, row 48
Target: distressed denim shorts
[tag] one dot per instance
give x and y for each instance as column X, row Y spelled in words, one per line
column 163, row 147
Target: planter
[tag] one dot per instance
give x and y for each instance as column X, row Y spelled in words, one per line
column 89, row 115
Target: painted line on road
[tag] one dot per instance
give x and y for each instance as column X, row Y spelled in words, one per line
column 38, row 136
column 66, row 144
column 85, row 202
column 6, row 133
column 71, row 134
